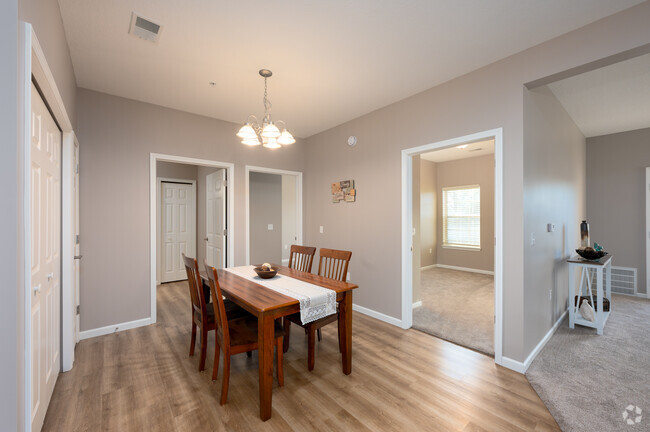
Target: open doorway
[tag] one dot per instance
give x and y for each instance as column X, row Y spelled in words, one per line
column 447, row 244
column 190, row 213
column 273, row 214
column 453, row 217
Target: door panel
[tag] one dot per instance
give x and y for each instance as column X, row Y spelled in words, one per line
column 216, row 219
column 179, row 229
column 45, row 199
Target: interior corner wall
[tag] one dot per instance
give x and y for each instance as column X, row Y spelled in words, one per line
column 118, row 135
column 45, row 18
column 428, row 215
column 554, row 193
column 616, row 197
column 488, row 98
column 477, row 170
column 265, row 192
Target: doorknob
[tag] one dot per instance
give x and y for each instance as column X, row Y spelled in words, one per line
column 50, row 276
column 37, row 289
column 78, row 257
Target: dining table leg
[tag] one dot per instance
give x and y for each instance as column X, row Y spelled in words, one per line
column 266, row 339
column 345, row 315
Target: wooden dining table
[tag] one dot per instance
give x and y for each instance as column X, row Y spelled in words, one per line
column 268, row 305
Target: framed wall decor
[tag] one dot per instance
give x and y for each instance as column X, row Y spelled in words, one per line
column 344, row 191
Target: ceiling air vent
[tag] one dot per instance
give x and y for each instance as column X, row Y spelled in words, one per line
column 144, row 29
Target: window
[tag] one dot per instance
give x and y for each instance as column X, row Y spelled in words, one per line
column 461, row 217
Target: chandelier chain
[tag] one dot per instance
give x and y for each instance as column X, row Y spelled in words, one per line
column 267, row 103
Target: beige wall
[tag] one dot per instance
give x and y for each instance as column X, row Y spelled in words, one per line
column 117, row 136
column 554, row 192
column 616, row 196
column 45, row 18
column 265, row 191
column 480, row 171
column 428, row 216
column 488, row 98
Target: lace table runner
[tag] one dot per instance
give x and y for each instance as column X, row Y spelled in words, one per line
column 315, row 302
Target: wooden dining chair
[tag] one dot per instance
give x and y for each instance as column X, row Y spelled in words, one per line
column 302, row 258
column 203, row 312
column 235, row 336
column 332, row 264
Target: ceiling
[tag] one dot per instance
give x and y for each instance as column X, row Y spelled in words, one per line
column 332, row 60
column 479, row 148
column 608, row 100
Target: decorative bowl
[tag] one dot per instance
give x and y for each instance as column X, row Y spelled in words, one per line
column 590, row 253
column 266, row 274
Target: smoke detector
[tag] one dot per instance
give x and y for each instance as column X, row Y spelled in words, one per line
column 144, row 28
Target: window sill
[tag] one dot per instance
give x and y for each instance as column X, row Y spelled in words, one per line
column 464, row 248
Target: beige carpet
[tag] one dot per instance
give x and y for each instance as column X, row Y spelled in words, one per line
column 588, row 381
column 457, row 306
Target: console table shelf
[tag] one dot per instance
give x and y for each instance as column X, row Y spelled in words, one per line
column 587, row 269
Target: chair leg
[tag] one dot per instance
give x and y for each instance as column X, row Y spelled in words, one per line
column 192, row 343
column 226, row 377
column 341, row 330
column 249, row 354
column 278, row 349
column 215, row 366
column 287, row 333
column 204, row 349
column 320, row 336
column 311, row 342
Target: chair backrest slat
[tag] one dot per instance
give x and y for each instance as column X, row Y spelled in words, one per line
column 333, row 263
column 195, row 285
column 220, row 317
column 302, row 258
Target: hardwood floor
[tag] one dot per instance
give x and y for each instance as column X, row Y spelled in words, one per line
column 402, row 380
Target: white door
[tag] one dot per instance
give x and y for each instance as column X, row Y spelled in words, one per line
column 45, row 230
column 216, row 219
column 178, row 229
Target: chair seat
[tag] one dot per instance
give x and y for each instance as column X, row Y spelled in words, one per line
column 295, row 318
column 233, row 311
column 243, row 331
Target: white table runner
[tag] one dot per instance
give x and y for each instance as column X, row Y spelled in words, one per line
column 315, row 302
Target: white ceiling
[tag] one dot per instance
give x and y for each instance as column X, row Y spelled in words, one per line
column 479, row 148
column 332, row 60
column 608, row 100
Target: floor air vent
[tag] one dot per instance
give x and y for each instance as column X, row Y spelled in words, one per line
column 623, row 280
column 144, row 29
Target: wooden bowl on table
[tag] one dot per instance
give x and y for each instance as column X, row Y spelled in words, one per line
column 266, row 273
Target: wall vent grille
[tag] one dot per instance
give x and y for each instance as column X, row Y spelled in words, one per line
column 623, row 280
column 144, row 28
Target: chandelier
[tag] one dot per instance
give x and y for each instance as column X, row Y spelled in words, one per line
column 268, row 134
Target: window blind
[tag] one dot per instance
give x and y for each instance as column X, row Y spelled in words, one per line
column 461, row 216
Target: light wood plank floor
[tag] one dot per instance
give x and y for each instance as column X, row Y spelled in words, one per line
column 402, row 380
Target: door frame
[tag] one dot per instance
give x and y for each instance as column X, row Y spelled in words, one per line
column 298, row 175
column 33, row 65
column 407, row 228
column 647, row 230
column 159, row 181
column 153, row 222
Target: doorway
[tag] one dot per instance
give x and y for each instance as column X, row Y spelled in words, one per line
column 410, row 232
column 189, row 216
column 273, row 214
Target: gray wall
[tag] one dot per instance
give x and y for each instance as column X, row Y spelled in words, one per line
column 480, row 171
column 11, row 241
column 428, row 216
column 117, row 136
column 616, row 196
column 488, row 98
column 265, row 191
column 45, row 17
column 554, row 192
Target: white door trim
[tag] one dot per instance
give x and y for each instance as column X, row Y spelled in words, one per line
column 407, row 228
column 298, row 174
column 33, row 64
column 153, row 260
column 647, row 232
column 159, row 181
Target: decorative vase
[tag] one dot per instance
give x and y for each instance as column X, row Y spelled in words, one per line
column 584, row 234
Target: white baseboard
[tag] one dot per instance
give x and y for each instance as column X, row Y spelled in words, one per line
column 520, row 367
column 87, row 334
column 378, row 315
column 466, row 269
column 429, row 267
column 417, row 304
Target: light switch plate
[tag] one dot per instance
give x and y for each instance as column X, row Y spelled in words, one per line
column 321, row 229
column 270, row 227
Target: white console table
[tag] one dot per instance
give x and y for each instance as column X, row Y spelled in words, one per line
column 587, row 268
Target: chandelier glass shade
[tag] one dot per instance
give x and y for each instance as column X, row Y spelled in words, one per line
column 266, row 133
